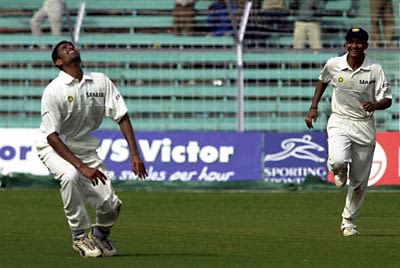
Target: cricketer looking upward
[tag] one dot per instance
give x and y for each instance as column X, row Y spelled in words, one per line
column 73, row 105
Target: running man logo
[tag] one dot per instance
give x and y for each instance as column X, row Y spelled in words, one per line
column 300, row 148
column 290, row 158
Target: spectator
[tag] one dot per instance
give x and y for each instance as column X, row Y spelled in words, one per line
column 218, row 18
column 382, row 16
column 353, row 10
column 184, row 15
column 53, row 10
column 307, row 27
column 274, row 13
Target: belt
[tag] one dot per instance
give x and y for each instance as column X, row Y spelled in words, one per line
column 308, row 20
column 368, row 118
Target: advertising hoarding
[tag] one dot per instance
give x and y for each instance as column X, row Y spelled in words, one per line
column 211, row 156
column 186, row 155
column 169, row 156
column 385, row 169
column 290, row 157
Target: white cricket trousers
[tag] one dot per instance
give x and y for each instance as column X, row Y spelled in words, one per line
column 53, row 10
column 307, row 31
column 77, row 191
column 351, row 144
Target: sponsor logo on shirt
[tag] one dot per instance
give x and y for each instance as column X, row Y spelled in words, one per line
column 70, row 98
column 341, row 79
column 366, row 82
column 95, row 94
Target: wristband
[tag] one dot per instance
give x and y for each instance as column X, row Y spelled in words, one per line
column 313, row 107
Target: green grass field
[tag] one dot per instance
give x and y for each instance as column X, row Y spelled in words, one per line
column 207, row 229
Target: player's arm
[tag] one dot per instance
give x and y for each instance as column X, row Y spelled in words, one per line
column 383, row 93
column 312, row 114
column 137, row 164
column 92, row 174
column 380, row 105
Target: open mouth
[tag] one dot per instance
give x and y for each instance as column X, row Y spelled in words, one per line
column 354, row 51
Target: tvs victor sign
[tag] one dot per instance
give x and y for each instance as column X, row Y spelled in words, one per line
column 185, row 155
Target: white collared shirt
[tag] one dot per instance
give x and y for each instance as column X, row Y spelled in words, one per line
column 353, row 88
column 74, row 108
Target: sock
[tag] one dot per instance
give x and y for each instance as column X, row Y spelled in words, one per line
column 78, row 234
column 100, row 232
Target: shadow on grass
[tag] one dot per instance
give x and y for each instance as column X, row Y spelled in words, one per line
column 380, row 235
column 166, row 255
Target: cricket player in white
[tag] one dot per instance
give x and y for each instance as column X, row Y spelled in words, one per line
column 73, row 105
column 359, row 89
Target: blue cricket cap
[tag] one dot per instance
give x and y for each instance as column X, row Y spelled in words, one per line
column 357, row 33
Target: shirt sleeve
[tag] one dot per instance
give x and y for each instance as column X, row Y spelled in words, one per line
column 325, row 76
column 115, row 107
column 50, row 113
column 382, row 89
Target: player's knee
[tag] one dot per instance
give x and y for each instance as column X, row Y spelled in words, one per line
column 70, row 175
column 108, row 212
column 110, row 207
column 111, row 204
column 337, row 164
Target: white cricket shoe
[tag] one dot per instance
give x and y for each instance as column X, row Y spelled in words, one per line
column 105, row 245
column 349, row 228
column 350, row 231
column 85, row 247
column 341, row 178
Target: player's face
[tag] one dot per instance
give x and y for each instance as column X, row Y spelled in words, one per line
column 356, row 47
column 68, row 53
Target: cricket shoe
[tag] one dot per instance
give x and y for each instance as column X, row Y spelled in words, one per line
column 85, row 247
column 105, row 245
column 349, row 228
column 341, row 178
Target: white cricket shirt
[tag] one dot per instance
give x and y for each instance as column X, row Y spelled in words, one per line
column 74, row 108
column 353, row 88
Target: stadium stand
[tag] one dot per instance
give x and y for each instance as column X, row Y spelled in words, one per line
column 121, row 16
column 176, row 82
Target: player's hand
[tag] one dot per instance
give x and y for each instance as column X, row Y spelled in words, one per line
column 311, row 118
column 138, row 167
column 93, row 174
column 369, row 107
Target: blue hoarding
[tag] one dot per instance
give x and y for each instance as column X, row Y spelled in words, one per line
column 290, row 157
column 185, row 155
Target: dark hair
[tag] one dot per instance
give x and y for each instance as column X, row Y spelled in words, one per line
column 54, row 53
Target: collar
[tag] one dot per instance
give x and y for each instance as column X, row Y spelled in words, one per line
column 343, row 65
column 68, row 79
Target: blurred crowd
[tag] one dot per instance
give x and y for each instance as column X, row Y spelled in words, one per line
column 303, row 20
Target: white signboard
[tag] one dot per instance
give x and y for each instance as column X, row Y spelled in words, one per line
column 18, row 153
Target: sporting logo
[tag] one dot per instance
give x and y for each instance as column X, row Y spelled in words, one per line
column 300, row 148
column 290, row 158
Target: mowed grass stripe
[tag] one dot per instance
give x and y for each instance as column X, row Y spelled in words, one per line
column 209, row 229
